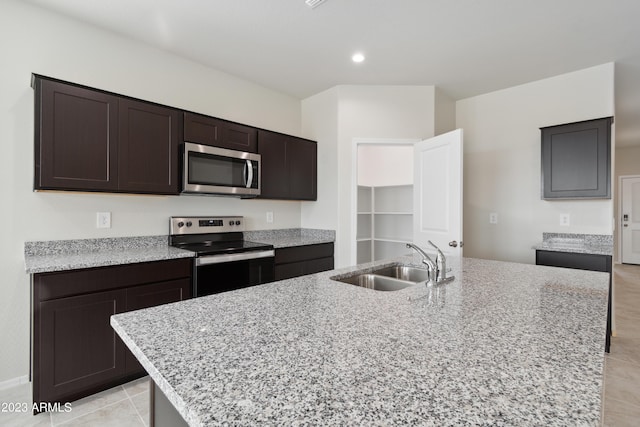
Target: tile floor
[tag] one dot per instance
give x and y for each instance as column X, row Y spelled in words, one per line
column 621, row 392
column 123, row 406
column 128, row 405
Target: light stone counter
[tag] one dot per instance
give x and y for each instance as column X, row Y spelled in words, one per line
column 593, row 244
column 289, row 237
column 504, row 344
column 61, row 255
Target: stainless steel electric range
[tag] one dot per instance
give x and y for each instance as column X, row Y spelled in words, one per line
column 224, row 260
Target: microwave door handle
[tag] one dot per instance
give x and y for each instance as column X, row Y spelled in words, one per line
column 249, row 173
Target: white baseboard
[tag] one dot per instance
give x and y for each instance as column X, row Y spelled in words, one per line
column 14, row 382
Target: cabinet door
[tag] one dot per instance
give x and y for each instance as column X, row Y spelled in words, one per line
column 152, row 295
column 75, row 138
column 75, row 348
column 302, row 162
column 272, row 148
column 148, row 148
column 219, row 133
column 576, row 160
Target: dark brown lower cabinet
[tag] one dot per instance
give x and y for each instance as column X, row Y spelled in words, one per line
column 75, row 352
column 591, row 262
column 301, row 260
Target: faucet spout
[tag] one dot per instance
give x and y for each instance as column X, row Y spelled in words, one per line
column 433, row 268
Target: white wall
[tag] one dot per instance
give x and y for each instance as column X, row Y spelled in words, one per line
column 445, row 113
column 394, row 112
column 33, row 40
column 502, row 162
column 385, row 165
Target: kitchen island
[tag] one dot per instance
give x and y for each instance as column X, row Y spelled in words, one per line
column 503, row 344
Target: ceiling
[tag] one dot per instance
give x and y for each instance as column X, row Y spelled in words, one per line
column 465, row 47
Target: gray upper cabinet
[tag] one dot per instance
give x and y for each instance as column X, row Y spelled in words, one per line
column 576, row 160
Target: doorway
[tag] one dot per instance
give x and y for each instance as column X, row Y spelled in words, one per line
column 384, row 202
column 630, row 219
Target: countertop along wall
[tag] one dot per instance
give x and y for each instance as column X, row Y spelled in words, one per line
column 34, row 40
column 502, row 163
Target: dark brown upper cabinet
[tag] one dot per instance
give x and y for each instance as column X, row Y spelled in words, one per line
column 289, row 167
column 148, row 148
column 576, row 160
column 76, row 138
column 90, row 140
column 219, row 133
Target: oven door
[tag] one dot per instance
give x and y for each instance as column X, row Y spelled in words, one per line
column 221, row 273
column 213, row 170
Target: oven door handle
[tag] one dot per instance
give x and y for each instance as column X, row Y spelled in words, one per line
column 217, row 259
column 248, row 173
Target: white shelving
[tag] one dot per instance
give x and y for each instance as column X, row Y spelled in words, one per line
column 385, row 221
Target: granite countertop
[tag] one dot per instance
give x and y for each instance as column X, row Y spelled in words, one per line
column 503, row 344
column 289, row 237
column 61, row 255
column 594, row 244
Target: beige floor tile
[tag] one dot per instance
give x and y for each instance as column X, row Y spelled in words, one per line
column 121, row 414
column 622, row 381
column 620, row 414
column 626, row 349
column 141, row 402
column 138, row 386
column 90, row 404
column 25, row 419
column 627, row 326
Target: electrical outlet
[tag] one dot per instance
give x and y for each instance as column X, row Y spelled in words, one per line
column 269, row 217
column 103, row 220
column 565, row 220
column 493, row 218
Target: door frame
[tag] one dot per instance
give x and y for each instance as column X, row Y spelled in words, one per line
column 355, row 142
column 618, row 220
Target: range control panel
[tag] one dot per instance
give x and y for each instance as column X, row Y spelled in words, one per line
column 205, row 224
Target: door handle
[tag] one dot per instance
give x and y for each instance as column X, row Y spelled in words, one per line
column 453, row 244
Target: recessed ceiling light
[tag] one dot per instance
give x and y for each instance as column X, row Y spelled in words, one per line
column 314, row 3
column 357, row 57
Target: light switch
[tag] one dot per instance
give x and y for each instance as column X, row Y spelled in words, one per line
column 565, row 220
column 269, row 217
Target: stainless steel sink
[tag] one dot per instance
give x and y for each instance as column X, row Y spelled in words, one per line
column 375, row 282
column 391, row 278
column 404, row 272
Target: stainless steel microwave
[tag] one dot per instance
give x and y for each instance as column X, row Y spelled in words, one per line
column 213, row 170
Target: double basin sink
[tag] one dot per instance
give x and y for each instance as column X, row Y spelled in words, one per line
column 390, row 278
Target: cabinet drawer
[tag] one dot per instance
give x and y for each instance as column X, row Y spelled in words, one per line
column 301, row 268
column 67, row 283
column 573, row 260
column 302, row 253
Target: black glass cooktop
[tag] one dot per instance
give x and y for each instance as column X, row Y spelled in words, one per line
column 218, row 248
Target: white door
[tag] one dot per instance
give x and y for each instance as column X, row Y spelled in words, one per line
column 630, row 217
column 437, row 199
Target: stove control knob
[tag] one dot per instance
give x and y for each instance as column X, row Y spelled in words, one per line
column 180, row 224
column 237, row 222
column 230, row 222
column 189, row 223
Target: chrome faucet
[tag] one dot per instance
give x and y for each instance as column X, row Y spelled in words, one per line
column 441, row 264
column 437, row 270
column 432, row 267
